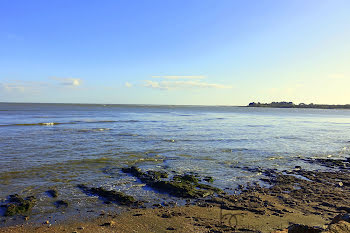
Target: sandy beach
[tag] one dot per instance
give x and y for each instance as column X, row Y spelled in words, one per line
column 296, row 201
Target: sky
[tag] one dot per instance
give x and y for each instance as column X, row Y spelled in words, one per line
column 195, row 52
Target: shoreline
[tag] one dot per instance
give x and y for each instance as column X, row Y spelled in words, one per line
column 299, row 196
column 301, row 105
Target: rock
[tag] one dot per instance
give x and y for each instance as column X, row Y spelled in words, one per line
column 18, row 205
column 52, row 193
column 110, row 195
column 340, row 227
column 61, row 203
column 332, row 163
column 281, row 231
column 298, row 228
column 208, row 179
column 347, row 209
column 341, row 217
column 173, row 203
column 165, row 203
column 157, row 174
column 186, row 185
column 110, row 223
column 166, row 215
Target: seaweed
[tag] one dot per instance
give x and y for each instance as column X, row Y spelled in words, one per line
column 109, row 195
column 18, row 205
column 208, row 179
column 186, row 186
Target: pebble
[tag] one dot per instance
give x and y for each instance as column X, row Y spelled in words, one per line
column 111, row 223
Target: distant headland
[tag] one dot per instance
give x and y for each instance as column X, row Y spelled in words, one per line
column 301, row 105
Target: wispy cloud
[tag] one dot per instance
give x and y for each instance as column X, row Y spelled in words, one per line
column 12, row 87
column 18, row 86
column 71, row 82
column 180, row 77
column 127, row 84
column 21, row 86
column 169, row 85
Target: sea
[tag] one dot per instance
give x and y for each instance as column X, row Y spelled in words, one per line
column 58, row 146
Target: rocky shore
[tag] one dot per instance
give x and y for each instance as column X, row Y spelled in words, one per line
column 291, row 201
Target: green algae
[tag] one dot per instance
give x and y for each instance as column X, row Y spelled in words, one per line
column 144, row 160
column 158, row 174
column 208, row 179
column 109, row 195
column 186, row 178
column 18, row 205
column 185, row 155
column 186, row 185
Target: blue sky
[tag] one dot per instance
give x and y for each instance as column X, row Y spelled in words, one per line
column 210, row 52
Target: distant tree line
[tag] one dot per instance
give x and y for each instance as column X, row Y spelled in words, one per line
column 284, row 104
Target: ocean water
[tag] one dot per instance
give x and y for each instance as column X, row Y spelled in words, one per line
column 45, row 146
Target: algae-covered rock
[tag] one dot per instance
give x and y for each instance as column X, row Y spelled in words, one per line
column 109, row 195
column 61, row 203
column 135, row 171
column 18, row 205
column 209, row 187
column 298, row 228
column 52, row 193
column 157, row 174
column 187, row 178
column 186, row 185
column 208, row 179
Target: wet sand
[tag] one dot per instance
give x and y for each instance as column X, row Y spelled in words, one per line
column 308, row 198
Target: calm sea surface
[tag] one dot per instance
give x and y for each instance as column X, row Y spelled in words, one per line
column 58, row 146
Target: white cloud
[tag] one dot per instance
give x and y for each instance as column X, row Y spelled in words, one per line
column 127, row 84
column 71, row 82
column 169, row 85
column 180, row 77
column 12, row 87
column 152, row 84
column 19, row 86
